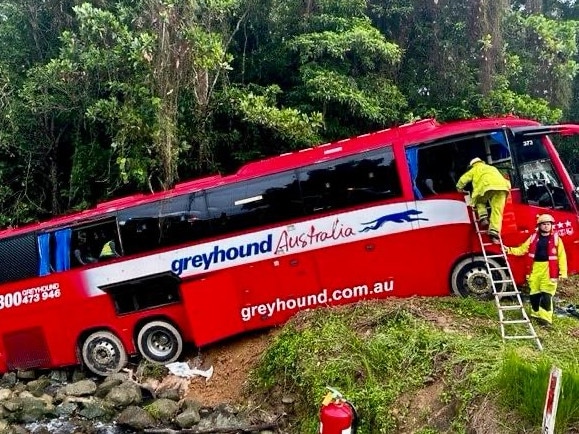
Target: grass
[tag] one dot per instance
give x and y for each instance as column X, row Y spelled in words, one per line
column 385, row 356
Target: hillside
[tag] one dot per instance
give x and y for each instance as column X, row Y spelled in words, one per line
column 434, row 364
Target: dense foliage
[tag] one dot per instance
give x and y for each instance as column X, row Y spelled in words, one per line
column 108, row 97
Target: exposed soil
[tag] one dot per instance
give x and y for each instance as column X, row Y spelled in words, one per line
column 232, row 361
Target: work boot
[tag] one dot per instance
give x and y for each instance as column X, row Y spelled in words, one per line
column 543, row 323
column 483, row 222
column 494, row 236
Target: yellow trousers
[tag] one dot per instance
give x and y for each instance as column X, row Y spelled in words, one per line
column 496, row 199
column 542, row 290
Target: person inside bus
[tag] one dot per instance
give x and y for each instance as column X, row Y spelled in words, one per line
column 109, row 248
column 82, row 252
column 490, row 187
column 546, row 263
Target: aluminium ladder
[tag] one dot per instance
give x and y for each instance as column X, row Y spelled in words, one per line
column 513, row 319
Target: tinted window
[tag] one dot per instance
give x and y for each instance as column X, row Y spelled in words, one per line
column 350, row 181
column 164, row 223
column 252, row 203
column 19, row 258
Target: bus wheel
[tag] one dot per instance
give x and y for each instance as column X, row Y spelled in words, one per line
column 470, row 277
column 160, row 342
column 103, row 353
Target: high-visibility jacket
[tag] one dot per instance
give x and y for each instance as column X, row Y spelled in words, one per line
column 108, row 250
column 483, row 178
column 556, row 252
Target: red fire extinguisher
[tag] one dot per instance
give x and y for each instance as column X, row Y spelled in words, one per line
column 337, row 414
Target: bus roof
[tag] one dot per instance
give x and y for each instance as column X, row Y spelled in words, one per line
column 414, row 132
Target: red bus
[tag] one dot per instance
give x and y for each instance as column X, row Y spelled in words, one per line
column 372, row 216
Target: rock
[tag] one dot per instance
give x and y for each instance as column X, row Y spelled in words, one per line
column 80, row 388
column 96, row 409
column 288, row 400
column 37, row 387
column 104, row 388
column 172, row 394
column 58, row 376
column 5, row 394
column 163, row 409
column 190, row 403
column 17, row 429
column 8, row 379
column 66, row 408
column 136, row 418
column 125, row 394
column 188, row 418
column 26, row 374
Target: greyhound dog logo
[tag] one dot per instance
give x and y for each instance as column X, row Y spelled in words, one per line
column 400, row 217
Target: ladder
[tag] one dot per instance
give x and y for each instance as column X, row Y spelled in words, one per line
column 513, row 319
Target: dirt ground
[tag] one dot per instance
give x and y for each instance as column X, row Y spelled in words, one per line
column 232, row 361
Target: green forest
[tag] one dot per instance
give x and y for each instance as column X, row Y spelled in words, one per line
column 106, row 98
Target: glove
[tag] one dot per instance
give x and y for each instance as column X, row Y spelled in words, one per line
column 506, row 250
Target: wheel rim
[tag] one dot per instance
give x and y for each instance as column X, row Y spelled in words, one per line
column 160, row 343
column 104, row 353
column 471, row 278
column 477, row 281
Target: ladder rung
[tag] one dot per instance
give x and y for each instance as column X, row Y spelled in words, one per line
column 518, row 302
column 515, row 321
column 521, row 337
column 507, row 293
column 513, row 307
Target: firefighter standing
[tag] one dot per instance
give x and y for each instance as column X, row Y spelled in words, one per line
column 488, row 186
column 547, row 262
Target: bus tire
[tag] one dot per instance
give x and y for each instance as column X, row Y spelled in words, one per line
column 470, row 277
column 103, row 353
column 160, row 342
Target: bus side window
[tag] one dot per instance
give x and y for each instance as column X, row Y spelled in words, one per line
column 139, row 227
column 256, row 202
column 22, row 255
column 349, row 181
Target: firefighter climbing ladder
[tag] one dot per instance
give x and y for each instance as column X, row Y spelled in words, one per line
column 513, row 319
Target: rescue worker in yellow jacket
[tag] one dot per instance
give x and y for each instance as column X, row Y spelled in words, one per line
column 109, row 251
column 488, row 186
column 546, row 263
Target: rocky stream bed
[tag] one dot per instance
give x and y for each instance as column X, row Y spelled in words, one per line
column 66, row 401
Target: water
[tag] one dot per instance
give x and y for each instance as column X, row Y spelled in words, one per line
column 65, row 425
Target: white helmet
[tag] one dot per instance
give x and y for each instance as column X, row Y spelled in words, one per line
column 545, row 218
column 474, row 161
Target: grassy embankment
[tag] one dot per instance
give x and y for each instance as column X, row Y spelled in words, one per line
column 423, row 366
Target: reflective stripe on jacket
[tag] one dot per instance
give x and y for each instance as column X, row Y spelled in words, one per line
column 557, row 254
column 552, row 244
